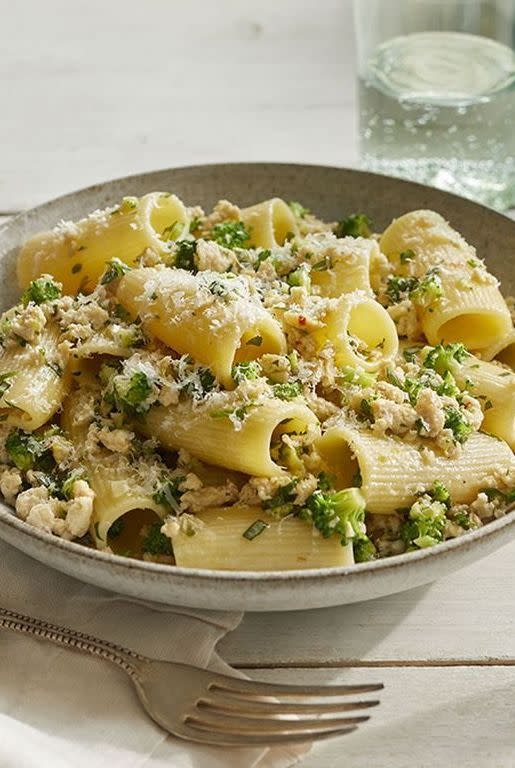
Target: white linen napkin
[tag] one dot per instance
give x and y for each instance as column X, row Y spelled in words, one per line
column 62, row 709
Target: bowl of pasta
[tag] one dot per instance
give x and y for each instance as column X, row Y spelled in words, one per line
column 257, row 386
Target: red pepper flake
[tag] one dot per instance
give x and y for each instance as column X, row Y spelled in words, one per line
column 302, row 320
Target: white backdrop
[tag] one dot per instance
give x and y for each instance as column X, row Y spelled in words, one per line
column 92, row 89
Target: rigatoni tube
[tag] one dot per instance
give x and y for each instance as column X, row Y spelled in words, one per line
column 471, row 308
column 34, row 384
column 77, row 253
column 213, row 317
column 269, row 223
column 218, row 437
column 120, row 485
column 220, row 543
column 360, row 330
column 393, row 471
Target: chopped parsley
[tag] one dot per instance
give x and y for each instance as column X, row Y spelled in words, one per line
column 41, row 290
column 356, row 225
column 421, row 291
column 172, row 231
column 299, row 277
column 184, row 257
column 287, row 391
column 255, row 341
column 194, row 380
column 155, row 542
column 257, row 527
column 114, row 269
column 280, row 503
column 5, row 381
column 406, row 256
column 168, row 493
column 323, row 265
column 195, row 223
column 230, row 234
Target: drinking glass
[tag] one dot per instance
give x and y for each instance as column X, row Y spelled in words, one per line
column 437, row 93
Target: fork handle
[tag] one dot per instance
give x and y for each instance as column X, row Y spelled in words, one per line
column 122, row 657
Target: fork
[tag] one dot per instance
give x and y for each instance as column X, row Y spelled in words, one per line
column 210, row 708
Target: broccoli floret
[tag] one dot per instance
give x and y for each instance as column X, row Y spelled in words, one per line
column 134, row 397
column 364, row 550
column 29, row 451
column 355, row 376
column 357, row 225
column 231, row 234
column 168, row 493
column 458, row 424
column 287, row 391
column 128, row 395
column 300, row 277
column 448, row 386
column 439, row 492
column 298, row 209
column 399, row 288
column 428, row 289
column 243, row 371
column 341, row 513
column 155, row 542
column 41, row 290
column 115, row 269
column 195, row 223
column 184, row 257
column 425, row 524
column 442, row 357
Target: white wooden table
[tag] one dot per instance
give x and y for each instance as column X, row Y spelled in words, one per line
column 92, row 90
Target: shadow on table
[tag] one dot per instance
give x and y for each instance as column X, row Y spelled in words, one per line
column 340, row 634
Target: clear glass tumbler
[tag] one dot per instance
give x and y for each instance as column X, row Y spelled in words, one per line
column 437, row 93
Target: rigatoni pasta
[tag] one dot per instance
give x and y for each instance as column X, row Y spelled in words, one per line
column 467, row 305
column 76, row 253
column 255, row 389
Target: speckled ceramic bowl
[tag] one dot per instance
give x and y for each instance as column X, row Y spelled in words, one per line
column 332, row 193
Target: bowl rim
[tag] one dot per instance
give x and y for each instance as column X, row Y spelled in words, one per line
column 127, row 564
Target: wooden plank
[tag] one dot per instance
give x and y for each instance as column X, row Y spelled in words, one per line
column 117, row 89
column 427, row 717
column 468, row 615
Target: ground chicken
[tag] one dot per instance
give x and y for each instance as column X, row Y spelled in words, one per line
column 404, row 315
column 209, row 496
column 210, row 255
column 10, row 484
column 42, row 516
column 116, row 440
column 304, row 488
column 29, row 323
column 397, row 418
column 429, row 409
column 28, row 499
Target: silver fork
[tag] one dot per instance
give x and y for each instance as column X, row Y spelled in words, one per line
column 203, row 706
